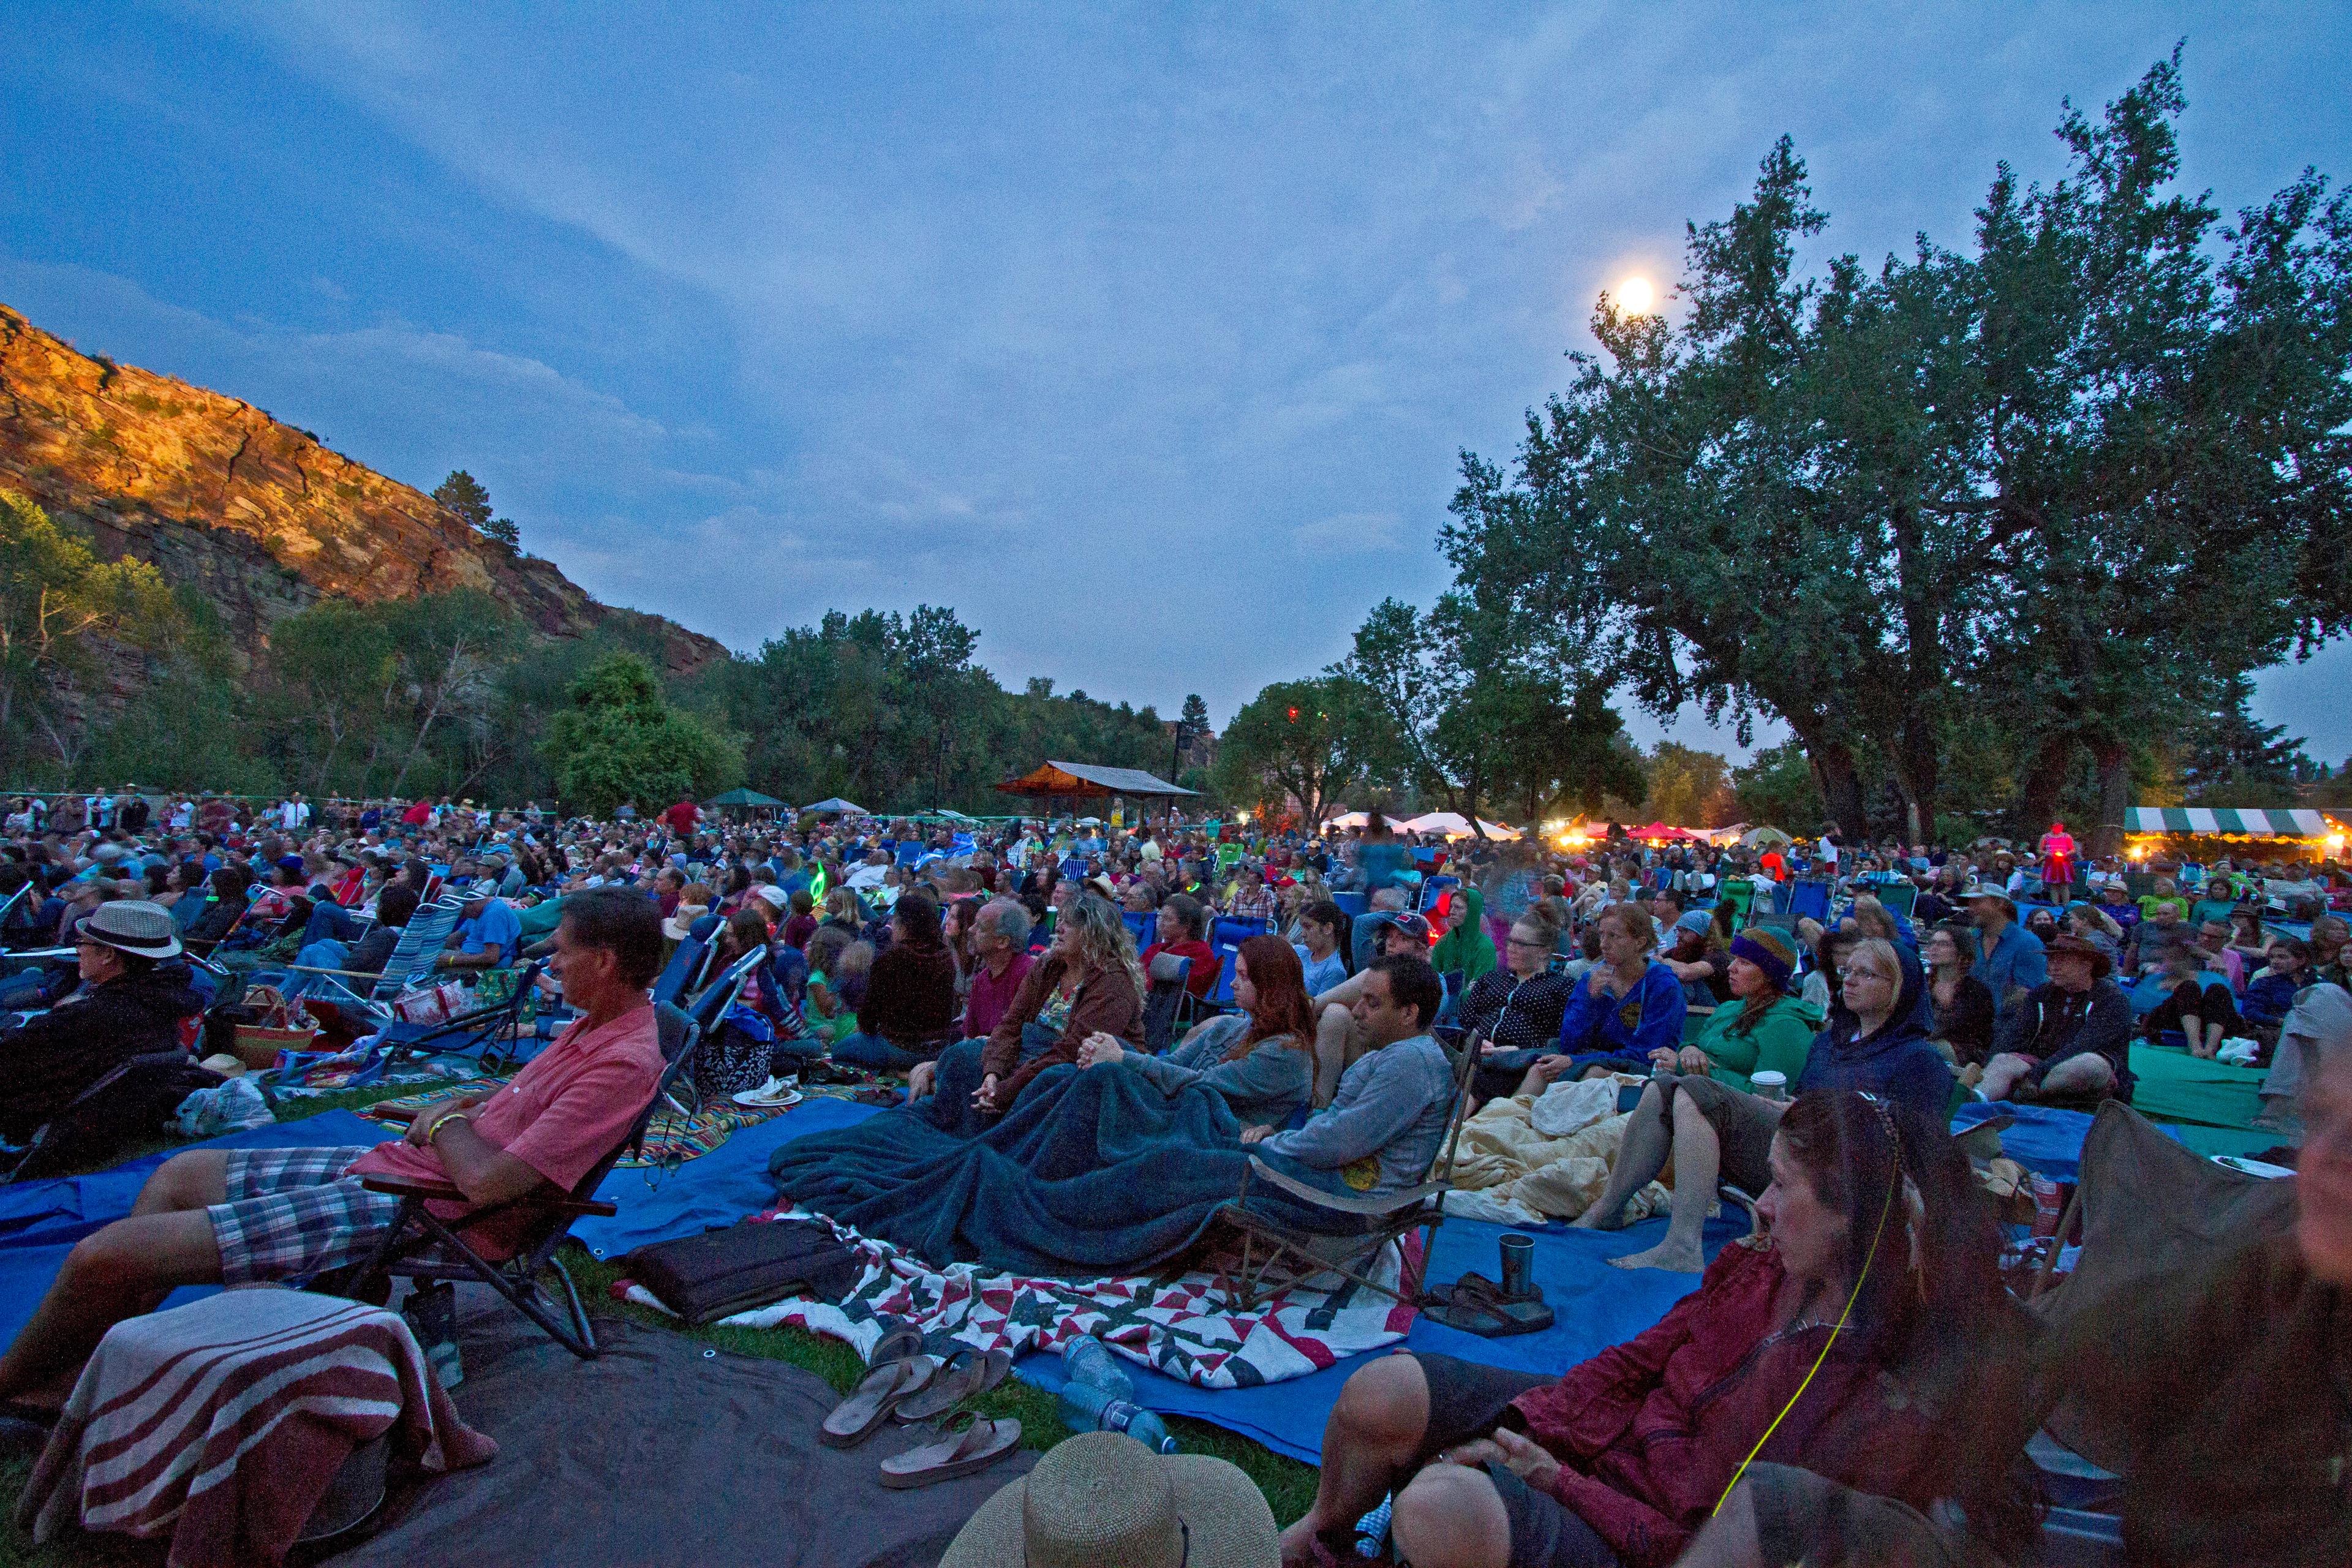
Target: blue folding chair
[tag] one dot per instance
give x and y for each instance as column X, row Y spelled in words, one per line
column 1434, row 888
column 1809, row 899
column 1139, row 924
column 1353, row 905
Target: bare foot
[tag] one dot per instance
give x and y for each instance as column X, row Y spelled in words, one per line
column 1594, row 1219
column 1680, row 1259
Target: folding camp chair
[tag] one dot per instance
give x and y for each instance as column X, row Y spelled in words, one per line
column 478, row 1030
column 132, row 1098
column 422, row 1248
column 1279, row 1253
column 1163, row 996
column 413, row 959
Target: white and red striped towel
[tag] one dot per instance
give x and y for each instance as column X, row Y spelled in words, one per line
column 222, row 1423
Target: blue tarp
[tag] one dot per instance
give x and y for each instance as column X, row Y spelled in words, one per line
column 1594, row 1307
column 710, row 1191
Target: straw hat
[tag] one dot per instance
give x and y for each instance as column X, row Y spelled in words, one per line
column 680, row 926
column 1101, row 1500
column 1976, row 891
column 133, row 926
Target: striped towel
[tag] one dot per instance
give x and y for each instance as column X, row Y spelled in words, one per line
column 222, row 1423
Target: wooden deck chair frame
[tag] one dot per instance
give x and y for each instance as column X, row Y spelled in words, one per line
column 1276, row 1257
column 421, row 1247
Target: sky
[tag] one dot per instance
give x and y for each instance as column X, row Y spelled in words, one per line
column 1147, row 337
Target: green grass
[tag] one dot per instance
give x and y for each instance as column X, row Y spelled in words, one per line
column 1288, row 1485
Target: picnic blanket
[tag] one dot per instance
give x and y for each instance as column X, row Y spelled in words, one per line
column 1524, row 1160
column 1180, row 1326
column 1091, row 1171
column 222, row 1422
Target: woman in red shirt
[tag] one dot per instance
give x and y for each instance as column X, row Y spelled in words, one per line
column 1182, row 921
column 1857, row 1321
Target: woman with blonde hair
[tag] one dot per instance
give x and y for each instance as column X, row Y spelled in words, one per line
column 1088, row 983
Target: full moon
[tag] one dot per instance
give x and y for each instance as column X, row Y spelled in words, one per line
column 1634, row 297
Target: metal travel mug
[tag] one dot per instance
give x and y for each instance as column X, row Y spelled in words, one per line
column 1518, row 1266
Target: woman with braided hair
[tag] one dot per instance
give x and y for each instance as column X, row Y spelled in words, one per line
column 1843, row 1338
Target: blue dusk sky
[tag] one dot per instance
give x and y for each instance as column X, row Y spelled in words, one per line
column 1147, row 337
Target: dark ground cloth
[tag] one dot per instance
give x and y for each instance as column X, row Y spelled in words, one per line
column 662, row 1452
column 1092, row 1172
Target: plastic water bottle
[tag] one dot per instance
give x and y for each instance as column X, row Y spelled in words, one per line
column 1090, row 1409
column 1087, row 1359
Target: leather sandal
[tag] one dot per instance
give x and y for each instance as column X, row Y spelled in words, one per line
column 972, row 1444
column 968, row 1374
column 869, row 1404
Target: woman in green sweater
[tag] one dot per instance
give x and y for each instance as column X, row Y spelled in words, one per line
column 1467, row 947
column 1762, row 1029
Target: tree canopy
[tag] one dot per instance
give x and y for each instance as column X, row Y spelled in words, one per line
column 2055, row 486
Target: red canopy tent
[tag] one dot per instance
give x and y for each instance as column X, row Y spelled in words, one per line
column 1658, row 830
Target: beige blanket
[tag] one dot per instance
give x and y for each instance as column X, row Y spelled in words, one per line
column 1509, row 1169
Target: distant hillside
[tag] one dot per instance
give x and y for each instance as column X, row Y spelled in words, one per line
column 255, row 513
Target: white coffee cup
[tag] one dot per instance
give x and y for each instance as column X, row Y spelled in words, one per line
column 1771, row 1085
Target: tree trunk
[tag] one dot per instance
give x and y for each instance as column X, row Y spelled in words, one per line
column 2045, row 779
column 1839, row 782
column 2114, row 794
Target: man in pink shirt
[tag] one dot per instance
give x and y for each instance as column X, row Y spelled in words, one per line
column 239, row 1216
column 1000, row 941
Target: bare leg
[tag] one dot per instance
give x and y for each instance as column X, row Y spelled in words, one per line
column 1640, row 1155
column 1450, row 1516
column 1374, row 1432
column 1333, row 1032
column 1730, row 1539
column 1698, row 1159
column 2086, row 1073
column 2003, row 1074
column 120, row 1272
column 2193, row 1028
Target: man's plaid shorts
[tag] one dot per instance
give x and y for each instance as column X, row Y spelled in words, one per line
column 292, row 1213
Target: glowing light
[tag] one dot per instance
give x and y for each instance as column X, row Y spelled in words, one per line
column 1635, row 296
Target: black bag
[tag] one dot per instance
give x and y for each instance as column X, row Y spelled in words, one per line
column 708, row 1276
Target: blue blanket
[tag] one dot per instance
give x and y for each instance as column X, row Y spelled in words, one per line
column 1091, row 1171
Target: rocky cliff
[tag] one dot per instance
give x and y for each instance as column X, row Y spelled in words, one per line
column 255, row 513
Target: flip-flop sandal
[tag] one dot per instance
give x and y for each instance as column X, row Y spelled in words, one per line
column 968, row 1374
column 869, row 1404
column 900, row 1342
column 967, row 1449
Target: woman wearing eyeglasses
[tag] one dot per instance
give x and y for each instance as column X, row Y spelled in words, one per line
column 1713, row 1132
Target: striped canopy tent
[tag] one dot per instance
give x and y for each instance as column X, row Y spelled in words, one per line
column 2228, row 822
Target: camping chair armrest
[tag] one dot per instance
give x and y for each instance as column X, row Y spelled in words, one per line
column 416, row 1187
column 319, row 969
column 431, row 1191
column 1371, row 1207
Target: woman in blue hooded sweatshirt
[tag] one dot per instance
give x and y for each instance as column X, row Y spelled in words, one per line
column 1873, row 1044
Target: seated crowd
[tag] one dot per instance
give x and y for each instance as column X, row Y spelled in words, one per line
column 1010, row 976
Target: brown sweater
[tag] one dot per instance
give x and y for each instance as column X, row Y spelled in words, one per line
column 1106, row 1002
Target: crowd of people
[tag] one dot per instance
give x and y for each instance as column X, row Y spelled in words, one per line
column 1318, row 988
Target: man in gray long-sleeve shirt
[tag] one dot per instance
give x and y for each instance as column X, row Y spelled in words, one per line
column 1394, row 1103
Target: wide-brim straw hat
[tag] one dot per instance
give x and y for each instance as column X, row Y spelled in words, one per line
column 133, row 926
column 1976, row 891
column 1101, row 1500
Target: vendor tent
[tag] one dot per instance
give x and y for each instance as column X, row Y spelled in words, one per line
column 1350, row 819
column 1755, row 837
column 1452, row 825
column 836, row 806
column 2242, row 822
column 1084, row 781
column 745, row 797
column 1659, row 830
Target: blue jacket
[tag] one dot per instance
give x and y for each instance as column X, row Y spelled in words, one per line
column 2016, row 963
column 1897, row 1061
column 1645, row 1019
